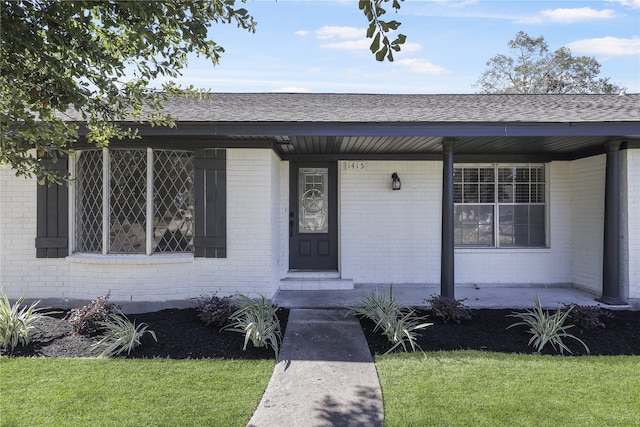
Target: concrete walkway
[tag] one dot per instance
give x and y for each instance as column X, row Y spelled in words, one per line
column 325, row 375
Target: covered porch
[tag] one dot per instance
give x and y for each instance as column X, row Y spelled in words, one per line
column 585, row 205
column 414, row 295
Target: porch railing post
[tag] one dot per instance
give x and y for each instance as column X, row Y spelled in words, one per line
column 447, row 281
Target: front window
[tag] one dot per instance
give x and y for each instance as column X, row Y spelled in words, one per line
column 134, row 201
column 499, row 205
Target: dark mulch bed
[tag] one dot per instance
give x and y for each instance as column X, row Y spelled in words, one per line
column 181, row 335
column 487, row 331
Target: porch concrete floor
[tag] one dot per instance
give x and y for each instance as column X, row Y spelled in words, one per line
column 494, row 296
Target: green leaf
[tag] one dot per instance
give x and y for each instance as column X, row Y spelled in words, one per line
column 375, row 45
column 381, row 54
column 82, row 50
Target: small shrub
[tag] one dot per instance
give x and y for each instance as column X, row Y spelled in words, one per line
column 121, row 335
column 398, row 323
column 17, row 321
column 587, row 316
column 214, row 310
column 87, row 320
column 546, row 328
column 258, row 321
column 448, row 309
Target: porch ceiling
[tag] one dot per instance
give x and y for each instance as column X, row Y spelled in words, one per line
column 467, row 148
column 566, row 147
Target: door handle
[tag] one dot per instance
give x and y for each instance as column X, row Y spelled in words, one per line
column 291, row 215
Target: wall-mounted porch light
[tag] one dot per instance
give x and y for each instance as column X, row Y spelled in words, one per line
column 395, row 184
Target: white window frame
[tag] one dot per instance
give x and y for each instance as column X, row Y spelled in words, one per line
column 496, row 204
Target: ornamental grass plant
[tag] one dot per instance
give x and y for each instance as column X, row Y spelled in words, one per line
column 121, row 335
column 258, row 321
column 17, row 321
column 396, row 322
column 546, row 328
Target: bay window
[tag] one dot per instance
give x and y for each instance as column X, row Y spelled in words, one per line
column 134, row 201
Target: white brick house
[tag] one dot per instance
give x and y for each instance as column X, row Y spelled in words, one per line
column 253, row 193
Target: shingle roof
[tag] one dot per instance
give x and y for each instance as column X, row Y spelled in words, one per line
column 358, row 108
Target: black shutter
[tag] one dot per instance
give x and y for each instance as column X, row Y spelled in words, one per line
column 52, row 238
column 210, row 239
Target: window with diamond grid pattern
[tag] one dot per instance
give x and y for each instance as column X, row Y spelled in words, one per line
column 128, row 193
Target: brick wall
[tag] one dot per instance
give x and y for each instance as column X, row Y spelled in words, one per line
column 253, row 178
column 20, row 271
column 394, row 236
column 385, row 236
column 390, row 236
column 587, row 221
column 631, row 222
column 510, row 266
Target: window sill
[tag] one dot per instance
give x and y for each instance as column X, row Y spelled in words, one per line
column 511, row 250
column 79, row 258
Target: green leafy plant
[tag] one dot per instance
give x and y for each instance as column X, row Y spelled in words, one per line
column 17, row 321
column 258, row 321
column 121, row 335
column 398, row 323
column 546, row 328
column 86, row 320
column 214, row 310
column 588, row 316
column 449, row 309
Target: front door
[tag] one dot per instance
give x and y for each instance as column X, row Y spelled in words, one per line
column 313, row 215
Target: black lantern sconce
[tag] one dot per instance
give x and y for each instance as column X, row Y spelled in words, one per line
column 395, row 184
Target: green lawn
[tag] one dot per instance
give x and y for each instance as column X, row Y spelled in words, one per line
column 466, row 388
column 108, row 392
column 462, row 388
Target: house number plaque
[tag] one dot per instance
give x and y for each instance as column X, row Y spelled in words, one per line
column 355, row 165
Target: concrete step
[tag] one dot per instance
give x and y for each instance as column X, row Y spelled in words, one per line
column 315, row 281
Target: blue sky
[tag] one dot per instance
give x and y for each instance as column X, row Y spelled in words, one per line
column 320, row 45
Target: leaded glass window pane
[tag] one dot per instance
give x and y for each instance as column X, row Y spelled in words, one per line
column 173, row 201
column 89, row 201
column 313, row 200
column 128, row 201
column 163, row 206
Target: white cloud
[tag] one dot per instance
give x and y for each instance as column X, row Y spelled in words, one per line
column 330, row 32
column 421, row 66
column 609, row 46
column 362, row 44
column 631, row 3
column 568, row 15
column 301, row 33
column 410, row 47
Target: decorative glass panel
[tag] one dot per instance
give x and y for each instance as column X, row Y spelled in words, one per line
column 173, row 201
column 313, row 201
column 128, row 201
column 89, row 201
